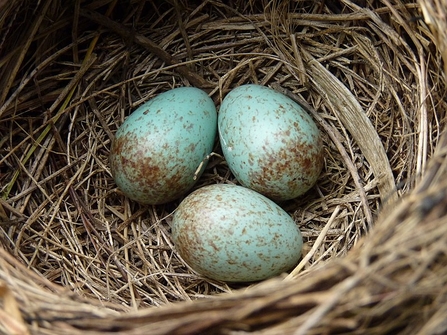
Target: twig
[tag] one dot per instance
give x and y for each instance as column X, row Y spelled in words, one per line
column 23, row 50
column 130, row 35
column 87, row 219
column 316, row 245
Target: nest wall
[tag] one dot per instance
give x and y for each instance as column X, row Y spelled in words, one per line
column 77, row 256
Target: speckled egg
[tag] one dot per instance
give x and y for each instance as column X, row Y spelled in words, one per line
column 231, row 233
column 269, row 142
column 158, row 148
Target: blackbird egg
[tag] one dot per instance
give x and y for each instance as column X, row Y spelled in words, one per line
column 270, row 143
column 231, row 233
column 159, row 147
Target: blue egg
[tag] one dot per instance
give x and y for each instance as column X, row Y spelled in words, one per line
column 159, row 147
column 270, row 143
column 231, row 233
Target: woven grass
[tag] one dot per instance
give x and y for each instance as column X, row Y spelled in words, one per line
column 78, row 257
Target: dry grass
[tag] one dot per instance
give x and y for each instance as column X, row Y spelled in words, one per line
column 78, row 257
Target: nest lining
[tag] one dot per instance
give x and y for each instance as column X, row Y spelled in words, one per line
column 72, row 74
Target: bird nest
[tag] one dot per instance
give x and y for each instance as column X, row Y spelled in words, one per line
column 78, row 257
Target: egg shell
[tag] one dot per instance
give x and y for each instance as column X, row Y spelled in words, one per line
column 234, row 234
column 270, row 143
column 161, row 144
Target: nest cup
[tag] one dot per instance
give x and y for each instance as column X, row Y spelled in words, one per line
column 78, row 257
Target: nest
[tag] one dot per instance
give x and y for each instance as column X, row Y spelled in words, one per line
column 78, row 257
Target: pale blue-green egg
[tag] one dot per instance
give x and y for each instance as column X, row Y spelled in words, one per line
column 270, row 143
column 231, row 233
column 159, row 147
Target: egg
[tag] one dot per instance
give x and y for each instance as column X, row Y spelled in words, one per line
column 270, row 143
column 159, row 147
column 234, row 234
